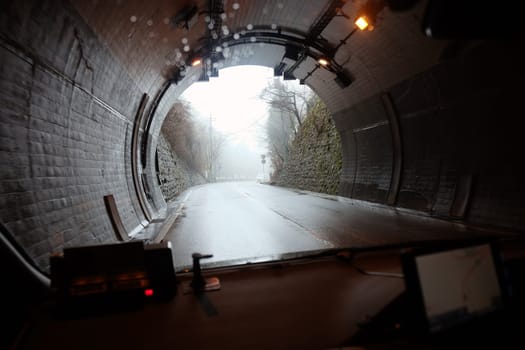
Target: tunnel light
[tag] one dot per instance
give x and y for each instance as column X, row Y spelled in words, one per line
column 323, row 61
column 362, row 22
column 196, row 61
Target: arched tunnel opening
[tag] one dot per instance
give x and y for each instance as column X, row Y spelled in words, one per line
column 428, row 117
column 247, row 124
column 244, row 127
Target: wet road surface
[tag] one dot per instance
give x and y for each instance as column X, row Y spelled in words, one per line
column 238, row 220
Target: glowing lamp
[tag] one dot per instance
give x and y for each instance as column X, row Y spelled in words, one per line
column 196, row 61
column 148, row 292
column 323, row 61
column 362, row 22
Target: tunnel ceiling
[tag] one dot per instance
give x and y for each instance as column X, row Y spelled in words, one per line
column 150, row 39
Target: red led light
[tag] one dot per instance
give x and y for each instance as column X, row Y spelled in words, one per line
column 148, row 292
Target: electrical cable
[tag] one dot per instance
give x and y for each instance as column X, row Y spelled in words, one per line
column 349, row 257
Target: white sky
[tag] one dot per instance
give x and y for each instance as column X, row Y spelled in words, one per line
column 232, row 100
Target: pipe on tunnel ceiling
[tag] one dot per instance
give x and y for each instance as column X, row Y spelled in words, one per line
column 313, row 49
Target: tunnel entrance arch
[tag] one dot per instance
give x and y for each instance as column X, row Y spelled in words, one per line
column 226, row 125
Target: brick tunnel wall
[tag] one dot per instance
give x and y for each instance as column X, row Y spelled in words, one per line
column 461, row 135
column 67, row 110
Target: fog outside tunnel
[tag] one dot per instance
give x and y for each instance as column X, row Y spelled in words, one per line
column 231, row 105
column 248, row 124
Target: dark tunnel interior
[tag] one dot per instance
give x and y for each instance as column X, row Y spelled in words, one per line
column 429, row 121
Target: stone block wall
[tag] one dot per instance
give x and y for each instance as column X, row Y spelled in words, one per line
column 173, row 174
column 314, row 161
column 66, row 113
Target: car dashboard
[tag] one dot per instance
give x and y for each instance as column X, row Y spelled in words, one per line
column 349, row 299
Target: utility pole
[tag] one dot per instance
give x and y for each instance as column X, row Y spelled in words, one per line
column 211, row 174
column 263, row 161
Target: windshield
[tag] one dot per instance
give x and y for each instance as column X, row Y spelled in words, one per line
column 266, row 179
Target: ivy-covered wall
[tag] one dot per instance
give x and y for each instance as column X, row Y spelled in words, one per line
column 314, row 161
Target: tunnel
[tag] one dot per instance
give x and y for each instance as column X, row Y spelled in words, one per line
column 430, row 118
column 428, row 124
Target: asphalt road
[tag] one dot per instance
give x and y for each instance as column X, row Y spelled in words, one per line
column 238, row 220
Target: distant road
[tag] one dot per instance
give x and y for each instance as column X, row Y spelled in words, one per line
column 234, row 220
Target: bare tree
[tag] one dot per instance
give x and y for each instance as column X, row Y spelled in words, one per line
column 289, row 104
column 279, row 131
column 182, row 132
column 292, row 101
column 214, row 144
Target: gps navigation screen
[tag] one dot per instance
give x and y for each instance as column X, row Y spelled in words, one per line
column 458, row 285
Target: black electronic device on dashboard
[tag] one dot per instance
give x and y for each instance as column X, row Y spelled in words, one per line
column 452, row 287
column 109, row 276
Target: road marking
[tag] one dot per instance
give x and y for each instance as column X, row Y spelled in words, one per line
column 187, row 196
column 314, row 234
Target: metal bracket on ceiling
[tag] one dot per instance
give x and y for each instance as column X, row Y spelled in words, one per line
column 186, row 18
column 298, row 46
